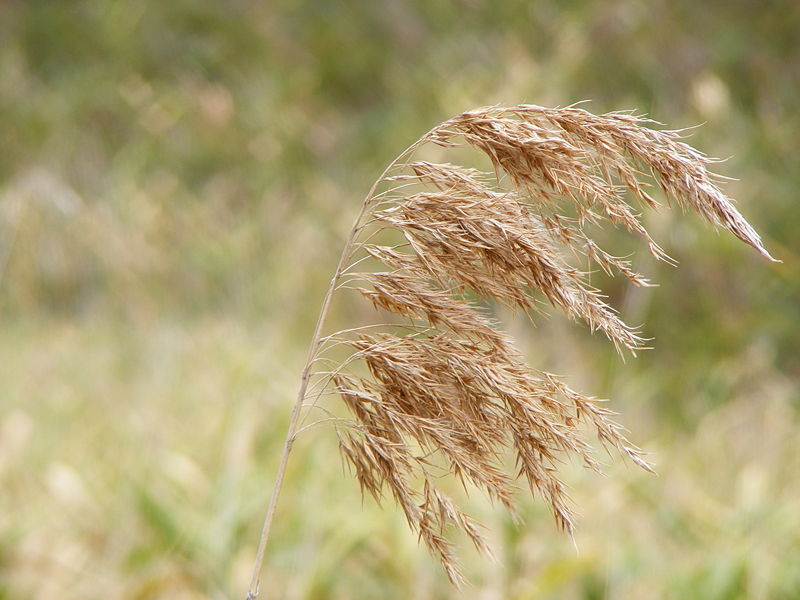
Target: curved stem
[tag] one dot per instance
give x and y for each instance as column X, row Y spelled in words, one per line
column 316, row 340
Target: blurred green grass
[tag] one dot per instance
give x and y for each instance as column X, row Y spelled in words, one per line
column 175, row 182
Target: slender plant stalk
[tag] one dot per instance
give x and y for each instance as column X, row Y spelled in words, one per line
column 316, row 339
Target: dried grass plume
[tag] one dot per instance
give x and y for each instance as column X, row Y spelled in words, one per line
column 441, row 388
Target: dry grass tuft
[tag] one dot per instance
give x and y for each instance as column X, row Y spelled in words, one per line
column 451, row 394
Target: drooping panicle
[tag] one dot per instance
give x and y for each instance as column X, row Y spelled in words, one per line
column 442, row 389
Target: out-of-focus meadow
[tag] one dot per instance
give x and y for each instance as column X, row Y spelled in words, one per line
column 176, row 179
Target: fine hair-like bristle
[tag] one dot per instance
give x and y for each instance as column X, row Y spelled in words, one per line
column 444, row 388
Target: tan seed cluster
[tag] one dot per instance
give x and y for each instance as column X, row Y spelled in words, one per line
column 453, row 394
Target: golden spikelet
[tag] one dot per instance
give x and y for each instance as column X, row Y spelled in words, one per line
column 444, row 387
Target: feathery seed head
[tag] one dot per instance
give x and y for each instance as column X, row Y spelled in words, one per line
column 453, row 393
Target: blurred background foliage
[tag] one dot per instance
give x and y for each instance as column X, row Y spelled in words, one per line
column 176, row 179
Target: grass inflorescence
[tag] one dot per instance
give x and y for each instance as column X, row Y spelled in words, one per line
column 444, row 390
